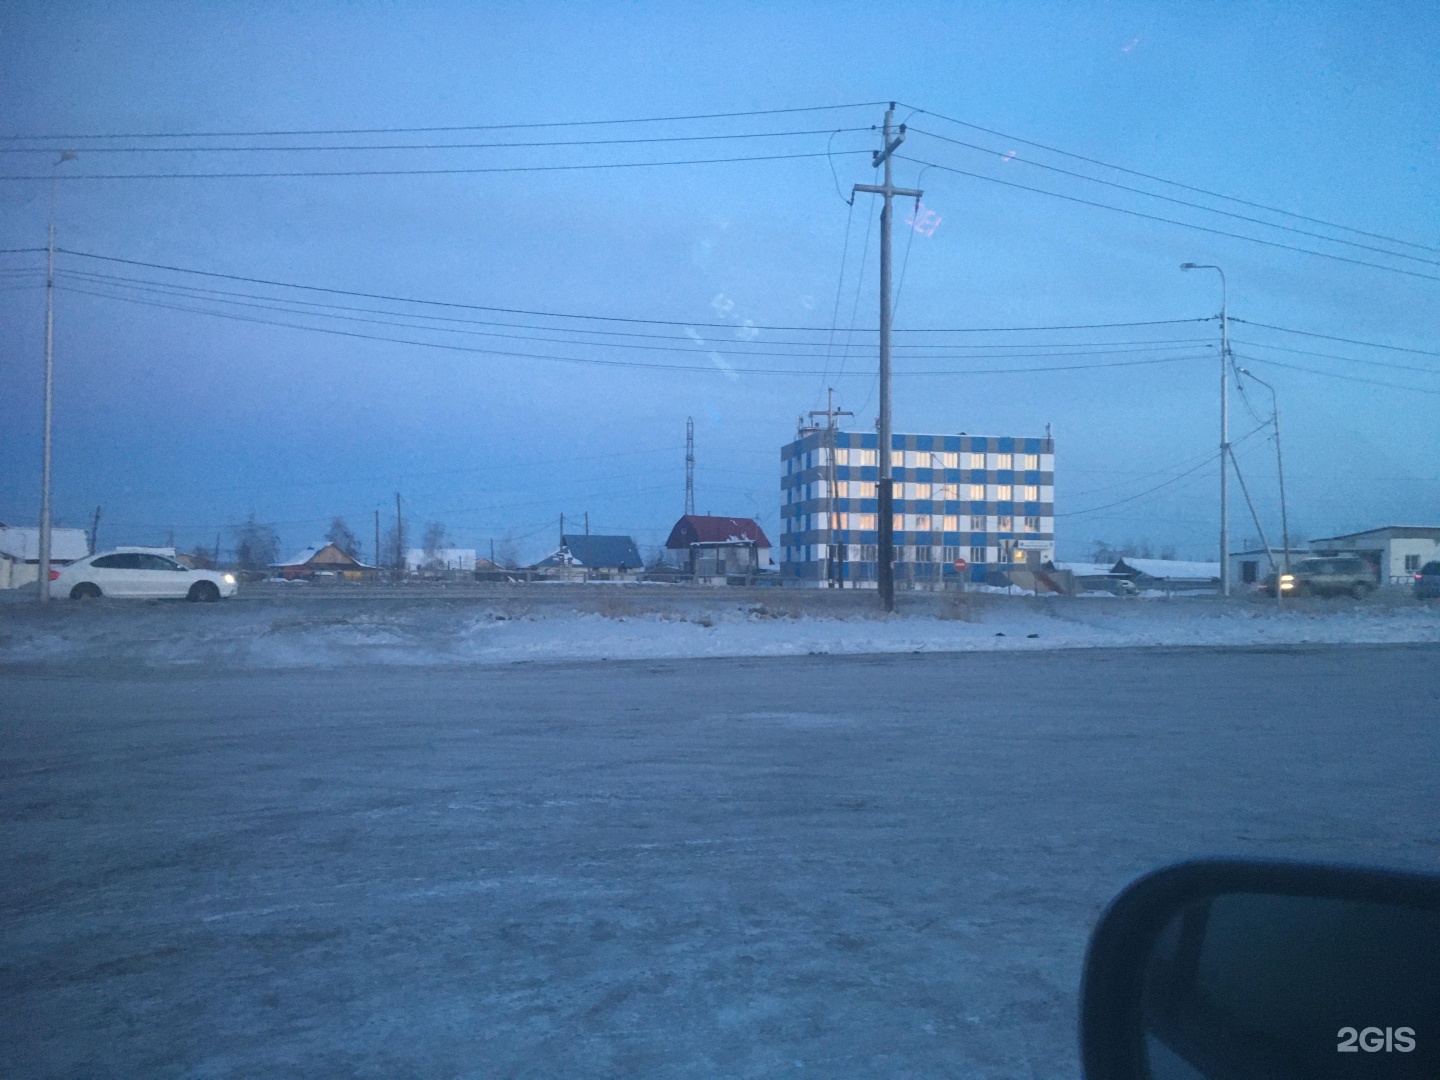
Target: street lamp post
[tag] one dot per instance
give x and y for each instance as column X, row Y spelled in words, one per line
column 1224, row 426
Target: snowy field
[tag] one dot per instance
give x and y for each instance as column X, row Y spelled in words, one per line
column 878, row 866
column 292, row 628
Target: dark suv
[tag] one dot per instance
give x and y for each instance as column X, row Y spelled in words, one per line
column 1335, row 576
column 1427, row 581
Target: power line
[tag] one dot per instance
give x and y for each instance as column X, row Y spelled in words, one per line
column 604, row 318
column 449, row 347
column 1337, row 375
column 1180, row 202
column 175, row 292
column 1331, row 337
column 455, row 127
column 352, row 147
column 1171, row 221
column 1176, row 183
column 1336, row 356
column 457, row 171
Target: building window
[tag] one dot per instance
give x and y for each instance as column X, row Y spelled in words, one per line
column 1004, row 493
column 922, row 459
column 1412, row 563
column 946, row 461
column 924, row 554
column 1005, row 523
column 922, row 522
column 975, row 492
column 897, row 489
column 1031, row 461
column 897, row 459
column 866, row 457
column 866, row 521
column 977, row 522
column 952, row 523
column 898, row 523
column 842, row 489
column 867, row 489
column 977, row 554
column 1032, row 524
column 975, row 461
column 1004, row 461
column 869, row 552
column 1249, row 572
column 842, row 456
column 922, row 491
column 947, row 491
column 1032, row 493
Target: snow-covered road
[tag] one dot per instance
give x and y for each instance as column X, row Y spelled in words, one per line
column 828, row 866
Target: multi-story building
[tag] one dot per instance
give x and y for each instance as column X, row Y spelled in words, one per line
column 964, row 505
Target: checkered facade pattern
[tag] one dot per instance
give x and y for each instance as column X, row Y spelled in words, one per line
column 989, row 500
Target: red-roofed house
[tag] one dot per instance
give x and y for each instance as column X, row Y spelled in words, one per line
column 721, row 547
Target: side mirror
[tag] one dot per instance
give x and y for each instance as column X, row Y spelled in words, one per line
column 1281, row 971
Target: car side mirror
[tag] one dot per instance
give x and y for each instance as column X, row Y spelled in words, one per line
column 1282, row 971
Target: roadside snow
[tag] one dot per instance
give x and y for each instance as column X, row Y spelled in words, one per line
column 360, row 633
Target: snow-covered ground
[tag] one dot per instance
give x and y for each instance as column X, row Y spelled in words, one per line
column 367, row 631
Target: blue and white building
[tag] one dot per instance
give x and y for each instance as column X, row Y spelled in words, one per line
column 986, row 500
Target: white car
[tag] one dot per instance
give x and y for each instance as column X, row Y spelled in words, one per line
column 129, row 572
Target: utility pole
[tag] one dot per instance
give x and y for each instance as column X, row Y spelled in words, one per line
column 587, row 545
column 377, row 539
column 885, row 571
column 1224, row 425
column 689, row 465
column 94, row 529
column 49, row 407
column 832, row 578
column 399, row 538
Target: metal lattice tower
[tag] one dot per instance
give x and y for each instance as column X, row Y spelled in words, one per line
column 689, row 465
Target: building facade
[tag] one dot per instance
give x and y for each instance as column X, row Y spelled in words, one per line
column 1396, row 551
column 986, row 502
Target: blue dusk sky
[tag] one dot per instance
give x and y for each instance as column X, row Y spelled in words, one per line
column 184, row 402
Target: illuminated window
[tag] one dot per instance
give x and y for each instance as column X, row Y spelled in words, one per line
column 952, row 523
column 898, row 523
column 946, row 461
column 867, row 489
column 842, row 456
column 842, row 489
column 867, row 457
column 866, row 521
column 922, row 491
column 977, row 554
column 1005, row 523
column 975, row 461
column 922, row 459
column 1031, row 461
column 947, row 491
column 897, row 459
column 1032, row 493
column 922, row 522
column 975, row 492
column 1004, row 461
column 1032, row 524
column 1004, row 493
column 897, row 489
column 977, row 523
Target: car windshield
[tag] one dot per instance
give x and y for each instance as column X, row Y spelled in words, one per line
column 692, row 539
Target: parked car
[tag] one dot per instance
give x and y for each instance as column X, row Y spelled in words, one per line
column 1338, row 576
column 133, row 573
column 1427, row 581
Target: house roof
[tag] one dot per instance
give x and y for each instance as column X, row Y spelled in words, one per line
column 1169, row 569
column 596, row 552
column 318, row 555
column 1086, row 569
column 704, row 529
column 1395, row 532
column 23, row 543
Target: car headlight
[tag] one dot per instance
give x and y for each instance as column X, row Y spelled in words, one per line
column 229, row 579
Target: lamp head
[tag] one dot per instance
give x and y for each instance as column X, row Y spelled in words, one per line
column 1187, row 266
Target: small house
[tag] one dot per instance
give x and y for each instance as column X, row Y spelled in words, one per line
column 322, row 562
column 592, row 558
column 719, row 549
column 1395, row 551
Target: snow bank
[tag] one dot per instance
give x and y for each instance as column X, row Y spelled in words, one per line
column 359, row 633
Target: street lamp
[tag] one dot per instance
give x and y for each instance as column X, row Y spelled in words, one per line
column 1224, row 426
column 1279, row 469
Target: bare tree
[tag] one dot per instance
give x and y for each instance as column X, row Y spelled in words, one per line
column 394, row 546
column 257, row 545
column 341, row 536
column 506, row 553
column 434, row 543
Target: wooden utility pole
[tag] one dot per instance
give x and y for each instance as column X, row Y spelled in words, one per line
column 399, row 538
column 689, row 465
column 885, row 571
column 832, row 578
column 377, row 539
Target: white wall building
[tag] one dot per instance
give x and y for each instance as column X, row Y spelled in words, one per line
column 441, row 559
column 1397, row 551
column 20, row 552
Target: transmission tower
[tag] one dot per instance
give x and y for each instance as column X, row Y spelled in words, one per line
column 689, row 465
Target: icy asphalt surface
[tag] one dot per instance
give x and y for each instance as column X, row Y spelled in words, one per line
column 828, row 866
